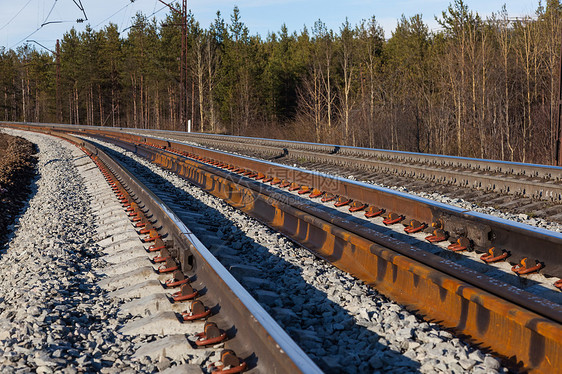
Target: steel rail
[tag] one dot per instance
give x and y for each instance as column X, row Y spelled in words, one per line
column 525, row 330
column 509, row 167
column 446, row 173
column 484, row 231
column 468, row 302
column 530, row 180
column 256, row 336
column 437, row 288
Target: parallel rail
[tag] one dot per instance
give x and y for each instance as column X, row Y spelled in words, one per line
column 462, row 299
column 524, row 329
column 484, row 231
column 253, row 333
column 529, row 180
column 542, row 182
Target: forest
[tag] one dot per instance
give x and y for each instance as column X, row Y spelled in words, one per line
column 475, row 87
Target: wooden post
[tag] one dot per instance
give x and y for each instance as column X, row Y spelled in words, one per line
column 57, row 98
column 558, row 113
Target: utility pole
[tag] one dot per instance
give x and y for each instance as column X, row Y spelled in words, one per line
column 184, row 71
column 58, row 101
column 558, row 111
column 184, row 63
column 193, row 102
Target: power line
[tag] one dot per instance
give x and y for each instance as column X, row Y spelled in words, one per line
column 27, row 37
column 125, row 17
column 112, row 15
column 81, row 7
column 155, row 12
column 45, row 22
column 40, row 27
column 48, row 15
column 17, row 14
column 150, row 15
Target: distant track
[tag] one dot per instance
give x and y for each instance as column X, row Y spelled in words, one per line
column 531, row 180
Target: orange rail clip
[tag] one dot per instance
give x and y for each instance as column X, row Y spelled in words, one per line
column 438, row 236
column 392, row 218
column 328, row 197
column 374, row 212
column 342, row 201
column 414, row 226
column 229, row 364
column 462, row 244
column 197, row 311
column 494, row 255
column 210, row 335
column 316, row 193
column 186, row 292
column 523, row 267
column 356, row 206
column 168, row 267
column 294, row 186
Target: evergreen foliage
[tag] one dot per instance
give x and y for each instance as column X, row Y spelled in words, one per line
column 476, row 87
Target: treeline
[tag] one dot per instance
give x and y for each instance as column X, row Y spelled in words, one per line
column 476, row 87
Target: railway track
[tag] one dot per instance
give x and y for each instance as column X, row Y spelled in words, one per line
column 468, row 300
column 514, row 187
column 253, row 336
column 187, row 298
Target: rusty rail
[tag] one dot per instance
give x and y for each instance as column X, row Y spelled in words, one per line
column 484, row 231
column 530, row 180
column 252, row 333
column 522, row 328
column 468, row 302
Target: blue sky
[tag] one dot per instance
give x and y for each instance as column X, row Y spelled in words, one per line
column 261, row 16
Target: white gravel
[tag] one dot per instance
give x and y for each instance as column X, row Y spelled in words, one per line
column 342, row 324
column 53, row 317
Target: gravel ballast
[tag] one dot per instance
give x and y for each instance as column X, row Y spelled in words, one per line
column 53, row 316
column 342, row 324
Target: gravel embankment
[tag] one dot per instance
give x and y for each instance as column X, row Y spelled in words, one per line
column 17, row 168
column 342, row 324
column 53, row 317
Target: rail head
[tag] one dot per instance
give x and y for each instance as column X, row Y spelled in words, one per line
column 512, row 293
column 484, row 230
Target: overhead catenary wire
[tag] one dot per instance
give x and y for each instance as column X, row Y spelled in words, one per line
column 44, row 23
column 14, row 17
column 148, row 16
column 155, row 12
column 81, row 7
column 47, row 19
column 49, row 14
column 111, row 16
